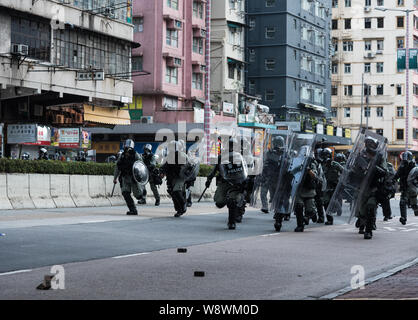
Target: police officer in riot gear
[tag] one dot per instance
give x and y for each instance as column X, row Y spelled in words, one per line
column 43, row 154
column 176, row 159
column 124, row 169
column 231, row 178
column 271, row 170
column 150, row 161
column 408, row 194
column 340, row 158
column 387, row 191
column 369, row 201
column 332, row 170
column 320, row 186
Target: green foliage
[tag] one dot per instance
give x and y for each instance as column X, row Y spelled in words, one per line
column 62, row 167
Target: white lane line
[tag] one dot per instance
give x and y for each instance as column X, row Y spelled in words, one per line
column 15, row 272
column 131, row 255
column 386, row 274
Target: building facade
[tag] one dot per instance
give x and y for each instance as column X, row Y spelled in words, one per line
column 288, row 55
column 61, row 62
column 173, row 33
column 365, row 43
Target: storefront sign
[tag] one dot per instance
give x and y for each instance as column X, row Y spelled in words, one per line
column 21, row 133
column 339, row 132
column 228, row 107
column 43, row 136
column 55, row 137
column 348, row 133
column 320, row 128
column 69, row 137
column 330, row 130
column 107, row 147
column 85, row 139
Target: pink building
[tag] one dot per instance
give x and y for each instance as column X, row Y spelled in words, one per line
column 172, row 37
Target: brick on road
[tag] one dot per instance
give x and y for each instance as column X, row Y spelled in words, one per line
column 401, row 285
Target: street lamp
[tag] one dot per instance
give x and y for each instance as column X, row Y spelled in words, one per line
column 406, row 11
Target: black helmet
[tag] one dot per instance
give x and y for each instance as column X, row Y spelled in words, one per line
column 129, row 144
column 407, row 156
column 147, row 148
column 277, row 143
column 340, row 157
column 326, row 154
column 318, row 154
column 371, row 145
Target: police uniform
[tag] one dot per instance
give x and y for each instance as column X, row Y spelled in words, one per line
column 387, row 192
column 332, row 170
column 150, row 161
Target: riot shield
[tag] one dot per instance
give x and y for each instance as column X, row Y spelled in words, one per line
column 368, row 151
column 275, row 145
column 412, row 180
column 140, row 172
column 161, row 153
column 234, row 170
column 297, row 158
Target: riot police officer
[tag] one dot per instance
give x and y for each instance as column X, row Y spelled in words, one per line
column 176, row 159
column 332, row 170
column 408, row 194
column 149, row 160
column 271, row 170
column 43, row 154
column 340, row 158
column 369, row 202
column 231, row 178
column 320, row 186
column 387, row 191
column 124, row 169
column 305, row 198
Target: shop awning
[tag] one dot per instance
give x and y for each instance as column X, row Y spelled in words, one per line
column 235, row 61
column 106, row 115
column 315, row 107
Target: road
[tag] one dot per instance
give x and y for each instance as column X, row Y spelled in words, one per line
column 108, row 255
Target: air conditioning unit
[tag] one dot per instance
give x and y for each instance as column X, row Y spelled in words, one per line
column 379, row 52
column 174, row 62
column 202, row 33
column 21, row 49
column 177, row 24
column 99, row 75
column 147, row 119
column 369, row 55
column 367, row 9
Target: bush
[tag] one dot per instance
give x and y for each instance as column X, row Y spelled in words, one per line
column 62, row 167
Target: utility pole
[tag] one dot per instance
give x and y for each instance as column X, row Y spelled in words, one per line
column 207, row 119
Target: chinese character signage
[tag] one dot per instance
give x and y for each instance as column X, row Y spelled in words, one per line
column 69, row 137
column 43, row 136
column 22, row 133
column 85, row 139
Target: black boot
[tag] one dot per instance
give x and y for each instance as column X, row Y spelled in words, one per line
column 179, row 203
column 130, row 203
column 278, row 223
column 299, row 218
column 403, row 217
column 286, row 217
column 157, row 202
column 330, row 220
column 231, row 218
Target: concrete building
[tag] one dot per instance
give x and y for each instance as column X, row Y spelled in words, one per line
column 173, row 34
column 64, row 63
column 228, row 64
column 365, row 43
column 288, row 55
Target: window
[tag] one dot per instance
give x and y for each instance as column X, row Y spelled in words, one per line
column 335, row 3
column 171, row 75
column 380, row 22
column 367, row 112
column 347, row 23
column 367, row 3
column 198, row 45
column 269, row 95
column 400, row 41
column 379, row 44
column 270, row 3
column 172, row 38
column 197, row 81
column 399, row 112
column 348, row 3
column 347, row 67
column 380, row 3
column 348, row 90
column 170, row 103
column 415, row 89
column 415, row 111
column 379, row 131
column 231, row 71
column 367, row 45
column 367, row 90
column 270, row 32
column 251, row 23
column 335, row 44
column 239, row 73
column 333, row 112
column 334, row 24
column 334, row 90
column 138, row 23
column 252, row 55
column 270, row 64
column 399, row 22
column 367, row 23
column 379, row 89
column 367, row 67
column 173, row 4
column 334, row 68
column 399, row 134
column 137, row 63
column 347, row 112
column 399, row 89
column 347, row 45
column 251, row 87
column 198, row 10
column 379, row 67
column 379, row 112
column 400, row 3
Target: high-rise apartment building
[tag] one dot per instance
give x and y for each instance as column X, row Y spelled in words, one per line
column 365, row 42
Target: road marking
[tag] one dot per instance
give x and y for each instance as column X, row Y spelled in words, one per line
column 131, row 255
column 386, row 274
column 15, row 272
column 270, row 234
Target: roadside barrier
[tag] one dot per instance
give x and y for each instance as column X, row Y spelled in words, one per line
column 40, row 191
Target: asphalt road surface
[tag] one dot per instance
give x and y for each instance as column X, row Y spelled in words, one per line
column 108, row 255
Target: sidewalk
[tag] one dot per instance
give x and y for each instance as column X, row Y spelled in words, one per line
column 402, row 285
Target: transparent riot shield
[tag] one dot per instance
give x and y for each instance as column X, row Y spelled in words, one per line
column 140, row 172
column 292, row 171
column 368, row 151
column 275, row 145
column 161, row 153
column 234, row 170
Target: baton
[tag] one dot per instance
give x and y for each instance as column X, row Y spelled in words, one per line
column 202, row 194
column 113, row 190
